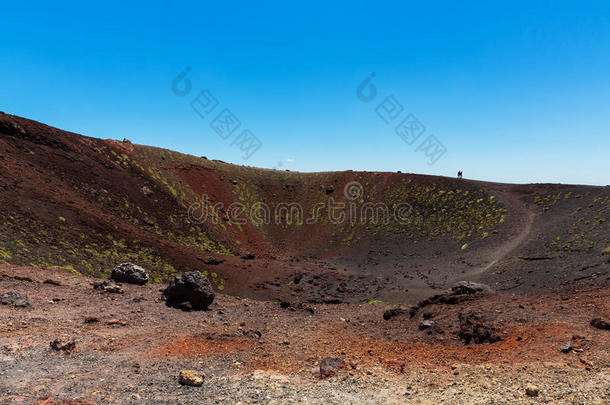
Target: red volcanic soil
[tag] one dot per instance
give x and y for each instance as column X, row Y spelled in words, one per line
column 260, row 344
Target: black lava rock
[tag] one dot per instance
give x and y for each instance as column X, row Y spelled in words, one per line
column 469, row 287
column 391, row 313
column 425, row 324
column 211, row 260
column 14, row 299
column 129, row 273
column 191, row 287
column 600, row 323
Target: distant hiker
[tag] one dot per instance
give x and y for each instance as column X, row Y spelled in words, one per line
column 460, row 174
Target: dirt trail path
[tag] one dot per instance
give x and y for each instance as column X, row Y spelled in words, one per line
column 523, row 218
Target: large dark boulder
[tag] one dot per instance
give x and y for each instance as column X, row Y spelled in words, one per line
column 14, row 299
column 190, row 287
column 129, row 273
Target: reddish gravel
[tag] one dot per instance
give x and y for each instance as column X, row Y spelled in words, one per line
column 532, row 327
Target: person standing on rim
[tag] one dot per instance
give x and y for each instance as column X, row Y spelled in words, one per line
column 460, row 174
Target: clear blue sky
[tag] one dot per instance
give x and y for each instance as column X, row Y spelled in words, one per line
column 518, row 92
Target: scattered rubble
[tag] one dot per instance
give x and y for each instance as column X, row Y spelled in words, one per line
column 254, row 334
column 293, row 306
column 141, row 362
column 107, row 286
column 51, row 400
column 474, row 328
column 462, row 291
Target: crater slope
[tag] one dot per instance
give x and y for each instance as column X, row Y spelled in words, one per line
column 87, row 204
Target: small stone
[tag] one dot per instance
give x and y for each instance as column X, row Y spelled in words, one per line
column 146, row 191
column 586, row 362
column 330, row 365
column 254, row 334
column 600, row 323
column 14, row 299
column 531, row 390
column 117, row 322
column 248, row 256
column 188, row 377
column 566, row 347
column 469, row 287
column 107, row 286
column 392, row 312
column 63, row 344
column 211, row 260
column 423, row 325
